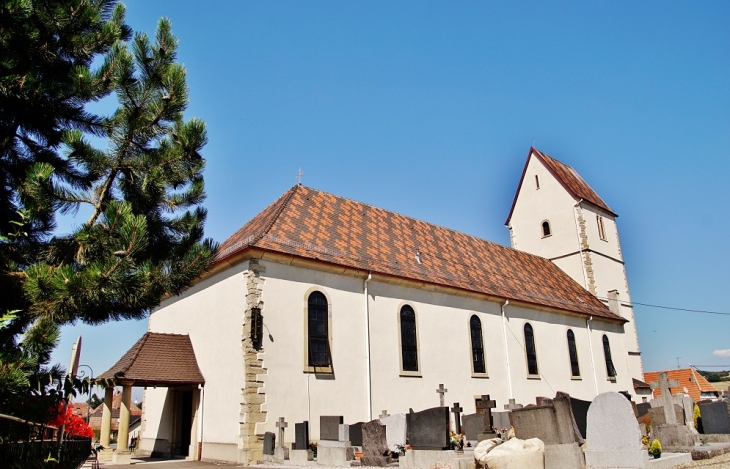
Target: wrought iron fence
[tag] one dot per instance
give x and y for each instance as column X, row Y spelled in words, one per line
column 30, row 454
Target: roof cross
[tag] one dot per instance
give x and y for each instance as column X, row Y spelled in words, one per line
column 300, row 173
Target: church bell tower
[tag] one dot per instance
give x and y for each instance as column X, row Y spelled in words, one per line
column 557, row 215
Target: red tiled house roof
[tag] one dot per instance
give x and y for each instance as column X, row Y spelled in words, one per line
column 313, row 225
column 688, row 378
column 568, row 178
column 158, row 360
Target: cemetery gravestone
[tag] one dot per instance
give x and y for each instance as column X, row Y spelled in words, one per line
column 441, row 391
column 456, row 410
column 281, row 452
column 329, row 427
column 356, row 434
column 269, row 443
column 674, row 433
column 428, row 429
column 395, row 430
column 512, row 405
column 374, row 444
column 343, row 433
column 301, row 435
column 580, row 413
column 486, row 405
column 665, row 399
column 715, row 417
column 613, row 435
column 500, row 420
column 473, row 426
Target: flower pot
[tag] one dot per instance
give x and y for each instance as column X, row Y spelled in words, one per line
column 657, row 455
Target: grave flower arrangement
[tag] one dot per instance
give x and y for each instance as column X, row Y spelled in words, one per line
column 456, row 441
column 655, row 449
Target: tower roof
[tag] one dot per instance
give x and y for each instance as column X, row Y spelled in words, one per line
column 568, row 178
column 309, row 224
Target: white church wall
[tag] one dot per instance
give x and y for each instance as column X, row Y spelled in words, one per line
column 211, row 313
column 444, row 351
column 291, row 392
column 156, row 428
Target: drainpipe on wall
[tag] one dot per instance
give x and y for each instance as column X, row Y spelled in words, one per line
column 580, row 246
column 590, row 346
column 506, row 351
column 367, row 348
column 200, row 421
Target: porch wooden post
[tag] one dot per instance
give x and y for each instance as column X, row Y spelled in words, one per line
column 123, row 434
column 106, row 417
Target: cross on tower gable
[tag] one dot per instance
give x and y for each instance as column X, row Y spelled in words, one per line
column 441, row 391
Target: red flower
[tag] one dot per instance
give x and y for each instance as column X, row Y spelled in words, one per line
column 75, row 425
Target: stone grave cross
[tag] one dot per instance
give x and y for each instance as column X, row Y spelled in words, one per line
column 487, row 405
column 385, row 414
column 281, row 424
column 441, row 391
column 512, row 405
column 665, row 399
column 456, row 410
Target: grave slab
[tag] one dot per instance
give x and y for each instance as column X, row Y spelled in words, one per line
column 301, row 435
column 565, row 456
column 339, row 456
column 473, row 426
column 269, row 443
column 356, row 434
column 281, row 454
column 343, row 433
column 420, row 459
column 301, row 457
column 669, row 460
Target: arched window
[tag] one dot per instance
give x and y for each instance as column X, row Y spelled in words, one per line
column 408, row 339
column 610, row 369
column 573, row 352
column 530, row 350
column 546, row 228
column 318, row 330
column 477, row 345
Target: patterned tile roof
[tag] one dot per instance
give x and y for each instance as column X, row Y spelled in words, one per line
column 568, row 177
column 688, row 378
column 315, row 225
column 158, row 360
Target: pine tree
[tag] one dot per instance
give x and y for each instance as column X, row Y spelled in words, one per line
column 143, row 237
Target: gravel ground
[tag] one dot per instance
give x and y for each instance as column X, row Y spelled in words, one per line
column 719, row 462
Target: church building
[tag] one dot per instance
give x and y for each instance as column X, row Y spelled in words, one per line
column 321, row 305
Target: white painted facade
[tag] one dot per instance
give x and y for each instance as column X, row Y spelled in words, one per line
column 575, row 244
column 212, row 313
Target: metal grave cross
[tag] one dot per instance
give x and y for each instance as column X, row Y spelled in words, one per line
column 456, row 410
column 664, row 384
column 487, row 405
column 385, row 414
column 441, row 390
column 281, row 424
column 512, row 405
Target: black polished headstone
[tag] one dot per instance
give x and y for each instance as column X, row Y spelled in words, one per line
column 643, row 408
column 356, row 434
column 301, row 435
column 329, row 427
column 715, row 417
column 269, row 443
column 428, row 429
column 580, row 414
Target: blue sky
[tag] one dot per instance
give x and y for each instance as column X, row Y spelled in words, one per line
column 429, row 109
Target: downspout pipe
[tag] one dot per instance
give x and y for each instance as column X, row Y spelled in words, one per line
column 590, row 346
column 506, row 351
column 367, row 348
column 200, row 425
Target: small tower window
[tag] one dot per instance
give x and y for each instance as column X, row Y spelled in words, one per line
column 537, row 182
column 546, row 229
column 601, row 228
